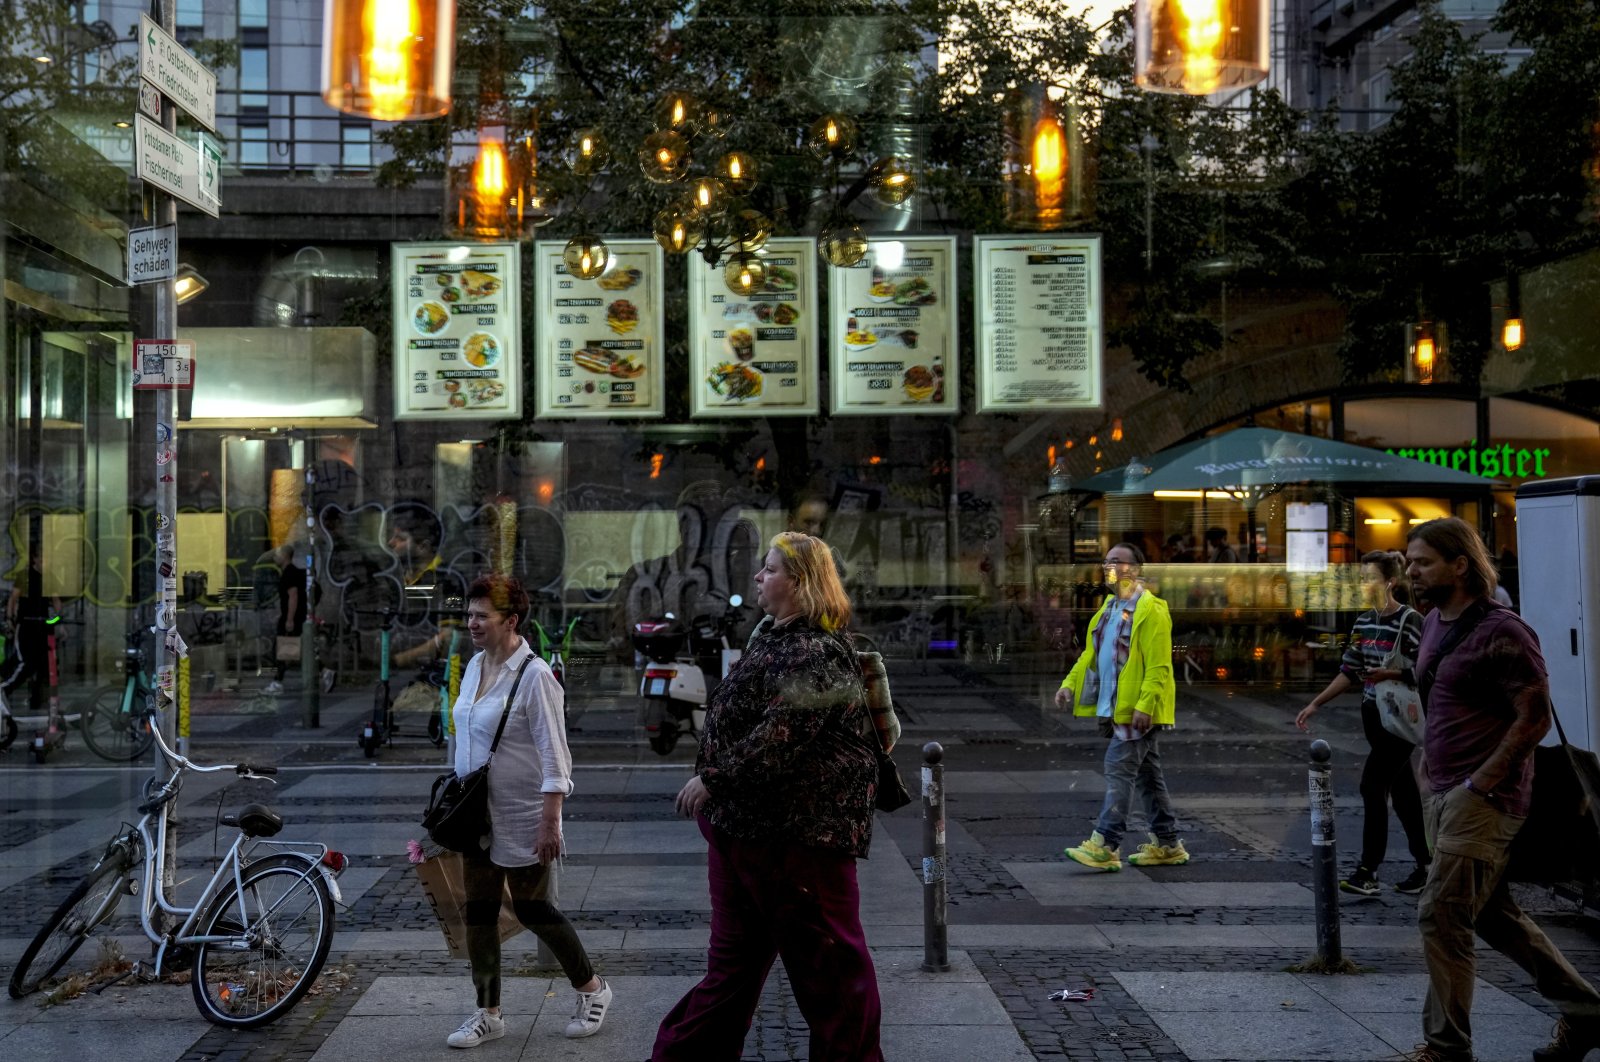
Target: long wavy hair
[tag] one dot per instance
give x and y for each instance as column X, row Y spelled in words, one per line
column 818, row 592
column 1451, row 537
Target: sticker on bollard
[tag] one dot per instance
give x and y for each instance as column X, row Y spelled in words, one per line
column 1321, row 808
column 932, row 870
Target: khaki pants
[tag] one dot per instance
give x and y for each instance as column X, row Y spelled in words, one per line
column 1466, row 894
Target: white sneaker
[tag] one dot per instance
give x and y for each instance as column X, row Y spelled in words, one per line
column 591, row 1012
column 478, row 1028
column 274, row 687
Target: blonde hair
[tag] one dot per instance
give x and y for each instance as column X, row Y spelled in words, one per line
column 818, row 592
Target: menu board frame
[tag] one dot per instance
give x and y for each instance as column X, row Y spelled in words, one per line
column 705, row 283
column 507, row 329
column 651, row 329
column 840, row 302
column 989, row 380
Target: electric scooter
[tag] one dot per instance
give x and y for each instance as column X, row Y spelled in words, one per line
column 673, row 691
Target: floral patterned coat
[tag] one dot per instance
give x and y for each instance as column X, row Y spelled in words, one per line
column 782, row 756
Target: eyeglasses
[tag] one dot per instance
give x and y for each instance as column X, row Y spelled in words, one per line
column 1109, row 564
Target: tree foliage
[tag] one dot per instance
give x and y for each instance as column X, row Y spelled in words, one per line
column 1478, row 169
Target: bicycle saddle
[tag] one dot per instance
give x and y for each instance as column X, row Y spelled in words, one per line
column 256, row 820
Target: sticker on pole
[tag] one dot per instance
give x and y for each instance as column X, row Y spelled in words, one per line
column 162, row 365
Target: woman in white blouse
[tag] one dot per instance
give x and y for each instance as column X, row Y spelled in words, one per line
column 530, row 778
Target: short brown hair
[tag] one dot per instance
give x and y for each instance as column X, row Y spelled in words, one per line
column 1451, row 537
column 503, row 592
column 809, row 562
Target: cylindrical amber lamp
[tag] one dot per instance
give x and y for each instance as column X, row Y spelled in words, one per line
column 480, row 183
column 389, row 60
column 1045, row 162
column 1199, row 47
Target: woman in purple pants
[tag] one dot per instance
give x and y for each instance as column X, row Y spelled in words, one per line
column 783, row 791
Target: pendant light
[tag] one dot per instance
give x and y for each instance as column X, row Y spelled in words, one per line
column 388, row 60
column 1197, row 47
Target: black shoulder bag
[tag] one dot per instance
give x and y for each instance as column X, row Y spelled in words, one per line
column 457, row 817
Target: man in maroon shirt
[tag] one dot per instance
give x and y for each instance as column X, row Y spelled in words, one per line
column 1484, row 685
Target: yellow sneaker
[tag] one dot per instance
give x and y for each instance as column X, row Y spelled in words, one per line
column 1159, row 855
column 1094, row 853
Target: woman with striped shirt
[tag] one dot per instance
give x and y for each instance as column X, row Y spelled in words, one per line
column 1387, row 773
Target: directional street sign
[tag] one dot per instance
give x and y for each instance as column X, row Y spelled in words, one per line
column 152, row 254
column 171, row 164
column 180, row 76
column 162, row 365
column 210, row 185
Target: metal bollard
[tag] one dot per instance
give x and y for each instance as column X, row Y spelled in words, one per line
column 1325, row 858
column 935, row 891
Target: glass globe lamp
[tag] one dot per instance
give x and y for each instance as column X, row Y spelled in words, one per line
column 586, row 256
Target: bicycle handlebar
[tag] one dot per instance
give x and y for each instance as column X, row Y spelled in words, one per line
column 184, row 763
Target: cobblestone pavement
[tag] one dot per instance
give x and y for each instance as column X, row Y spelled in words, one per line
column 1240, row 765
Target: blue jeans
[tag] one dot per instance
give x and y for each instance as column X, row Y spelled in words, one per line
column 1129, row 764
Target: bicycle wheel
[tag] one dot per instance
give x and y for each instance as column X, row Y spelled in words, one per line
column 89, row 905
column 111, row 733
column 282, row 933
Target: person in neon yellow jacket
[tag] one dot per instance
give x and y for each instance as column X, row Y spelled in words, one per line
column 1124, row 681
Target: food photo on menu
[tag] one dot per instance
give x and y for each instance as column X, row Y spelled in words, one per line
column 888, row 325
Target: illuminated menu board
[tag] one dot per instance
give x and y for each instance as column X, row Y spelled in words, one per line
column 1039, row 337
column 599, row 351
column 892, row 328
column 755, row 355
column 457, row 331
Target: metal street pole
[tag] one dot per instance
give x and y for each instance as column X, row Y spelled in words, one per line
column 166, row 493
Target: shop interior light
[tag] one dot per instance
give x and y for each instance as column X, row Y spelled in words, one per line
column 43, row 60
column 1378, row 521
column 1197, row 47
column 188, row 284
column 890, row 254
column 1180, row 494
column 1415, row 520
column 389, row 60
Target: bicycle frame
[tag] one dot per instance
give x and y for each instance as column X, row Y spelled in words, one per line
column 147, row 840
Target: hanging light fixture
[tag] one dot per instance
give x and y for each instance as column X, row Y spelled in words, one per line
column 1426, row 349
column 737, row 171
column 708, row 196
column 590, row 152
column 749, row 230
column 892, row 181
column 586, row 256
column 842, row 244
column 478, row 185
column 388, row 60
column 744, row 273
column 664, row 157
column 679, row 112
column 678, row 228
column 1044, row 166
column 533, row 202
column 832, row 136
column 1197, row 47
column 1511, row 327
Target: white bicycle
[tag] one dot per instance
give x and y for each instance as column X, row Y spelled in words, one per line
column 256, row 938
